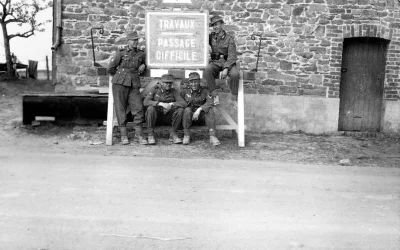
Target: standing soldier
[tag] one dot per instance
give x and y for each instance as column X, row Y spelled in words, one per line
column 164, row 106
column 223, row 58
column 125, row 68
column 200, row 109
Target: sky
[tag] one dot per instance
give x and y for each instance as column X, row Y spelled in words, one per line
column 36, row 47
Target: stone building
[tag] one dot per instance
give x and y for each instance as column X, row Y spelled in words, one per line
column 323, row 65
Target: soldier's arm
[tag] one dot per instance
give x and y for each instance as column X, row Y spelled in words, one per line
column 149, row 99
column 232, row 57
column 209, row 101
column 179, row 101
column 114, row 63
column 142, row 67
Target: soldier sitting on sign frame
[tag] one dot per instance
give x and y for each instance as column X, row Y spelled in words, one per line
column 223, row 59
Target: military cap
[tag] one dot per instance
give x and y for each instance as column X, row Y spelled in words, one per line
column 132, row 35
column 194, row 76
column 215, row 19
column 167, row 78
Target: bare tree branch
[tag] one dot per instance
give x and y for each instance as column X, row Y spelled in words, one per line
column 20, row 12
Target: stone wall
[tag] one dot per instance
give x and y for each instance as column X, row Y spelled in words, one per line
column 301, row 45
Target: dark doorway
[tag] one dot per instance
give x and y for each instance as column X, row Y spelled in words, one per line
column 361, row 84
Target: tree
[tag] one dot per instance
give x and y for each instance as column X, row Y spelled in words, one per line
column 22, row 13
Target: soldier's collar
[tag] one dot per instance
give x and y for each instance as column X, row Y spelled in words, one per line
column 222, row 34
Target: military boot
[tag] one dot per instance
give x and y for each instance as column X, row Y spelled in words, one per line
column 186, row 137
column 150, row 136
column 139, row 136
column 173, row 137
column 124, row 136
column 213, row 139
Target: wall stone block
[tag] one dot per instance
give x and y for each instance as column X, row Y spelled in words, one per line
column 271, row 82
column 299, row 36
column 74, row 16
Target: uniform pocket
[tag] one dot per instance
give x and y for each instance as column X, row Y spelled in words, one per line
column 135, row 80
column 116, row 76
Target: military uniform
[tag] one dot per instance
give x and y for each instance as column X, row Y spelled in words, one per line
column 223, row 55
column 126, row 85
column 196, row 99
column 158, row 115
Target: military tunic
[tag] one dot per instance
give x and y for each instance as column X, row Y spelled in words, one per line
column 223, row 55
column 157, row 115
column 126, row 85
column 196, row 99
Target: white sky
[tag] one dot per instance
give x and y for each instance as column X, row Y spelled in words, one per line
column 35, row 47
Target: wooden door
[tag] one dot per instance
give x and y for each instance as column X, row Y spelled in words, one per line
column 361, row 84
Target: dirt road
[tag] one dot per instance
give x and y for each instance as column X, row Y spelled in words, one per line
column 62, row 188
column 63, row 201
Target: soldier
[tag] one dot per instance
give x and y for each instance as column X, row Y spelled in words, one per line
column 125, row 67
column 223, row 58
column 200, row 109
column 164, row 106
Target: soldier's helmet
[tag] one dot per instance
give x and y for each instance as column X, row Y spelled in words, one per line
column 194, row 76
column 215, row 19
column 132, row 35
column 167, row 78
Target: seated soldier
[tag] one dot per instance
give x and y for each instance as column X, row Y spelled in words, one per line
column 165, row 107
column 200, row 108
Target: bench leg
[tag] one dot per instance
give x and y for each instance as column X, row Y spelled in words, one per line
column 240, row 128
column 110, row 114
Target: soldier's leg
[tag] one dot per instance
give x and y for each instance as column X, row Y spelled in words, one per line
column 187, row 122
column 136, row 107
column 210, row 73
column 120, row 94
column 151, row 118
column 234, row 76
column 211, row 124
column 175, row 116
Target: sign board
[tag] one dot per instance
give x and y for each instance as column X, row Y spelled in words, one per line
column 176, row 39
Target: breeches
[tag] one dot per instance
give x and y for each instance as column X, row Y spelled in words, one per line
column 124, row 96
column 155, row 115
column 212, row 72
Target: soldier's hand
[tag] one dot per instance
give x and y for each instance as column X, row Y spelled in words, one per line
column 224, row 73
column 141, row 68
column 196, row 114
column 163, row 104
column 167, row 107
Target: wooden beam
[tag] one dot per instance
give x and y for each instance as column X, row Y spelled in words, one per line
column 45, row 118
column 228, row 118
column 110, row 114
column 240, row 128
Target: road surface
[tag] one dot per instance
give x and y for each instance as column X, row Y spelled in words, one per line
column 65, row 201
